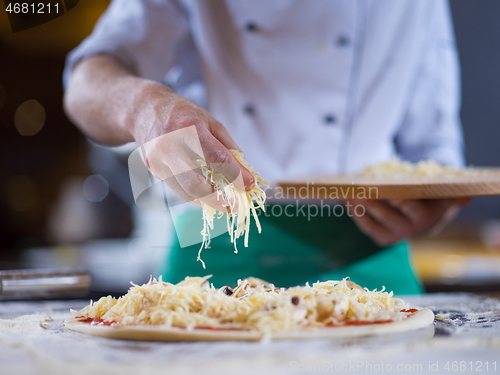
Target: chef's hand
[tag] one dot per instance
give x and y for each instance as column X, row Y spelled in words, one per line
column 174, row 132
column 113, row 106
column 388, row 222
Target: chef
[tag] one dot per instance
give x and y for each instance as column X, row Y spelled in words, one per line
column 302, row 88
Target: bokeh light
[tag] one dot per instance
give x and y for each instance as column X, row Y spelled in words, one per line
column 29, row 118
column 95, row 188
column 22, row 193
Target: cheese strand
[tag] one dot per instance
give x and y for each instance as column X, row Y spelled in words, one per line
column 240, row 204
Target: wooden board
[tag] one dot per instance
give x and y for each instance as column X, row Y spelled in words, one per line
column 483, row 182
column 420, row 319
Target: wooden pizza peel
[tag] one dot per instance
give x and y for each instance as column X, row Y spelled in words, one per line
column 479, row 182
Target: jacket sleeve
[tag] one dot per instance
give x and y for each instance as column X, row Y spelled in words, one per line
column 431, row 128
column 143, row 34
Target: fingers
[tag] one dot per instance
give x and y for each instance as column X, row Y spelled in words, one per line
column 171, row 161
column 379, row 233
column 163, row 172
column 189, row 178
column 183, row 133
column 389, row 223
column 417, row 211
column 223, row 161
column 212, row 143
column 177, row 189
column 423, row 213
column 447, row 217
column 192, row 187
column 194, row 184
column 221, row 133
column 387, row 216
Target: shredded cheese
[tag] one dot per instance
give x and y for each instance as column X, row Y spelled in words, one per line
column 253, row 305
column 240, row 204
column 398, row 168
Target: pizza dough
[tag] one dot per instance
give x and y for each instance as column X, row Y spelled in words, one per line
column 193, row 310
column 420, row 319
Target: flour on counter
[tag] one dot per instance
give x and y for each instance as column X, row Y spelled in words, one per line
column 467, row 314
column 25, row 324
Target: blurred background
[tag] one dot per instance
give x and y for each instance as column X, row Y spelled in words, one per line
column 65, row 202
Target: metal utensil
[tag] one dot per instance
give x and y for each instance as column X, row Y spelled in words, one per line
column 44, row 283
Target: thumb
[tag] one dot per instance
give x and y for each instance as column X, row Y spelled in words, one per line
column 222, row 135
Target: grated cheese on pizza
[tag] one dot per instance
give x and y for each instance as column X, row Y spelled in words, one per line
column 398, row 168
column 240, row 204
column 254, row 305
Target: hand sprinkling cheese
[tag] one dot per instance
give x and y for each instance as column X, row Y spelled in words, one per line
column 240, row 204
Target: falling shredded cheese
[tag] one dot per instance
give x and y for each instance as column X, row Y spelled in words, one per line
column 398, row 168
column 240, row 204
column 254, row 305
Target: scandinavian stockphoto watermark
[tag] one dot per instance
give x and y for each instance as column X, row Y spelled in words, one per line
column 356, row 366
column 315, row 190
column 310, row 211
column 395, row 367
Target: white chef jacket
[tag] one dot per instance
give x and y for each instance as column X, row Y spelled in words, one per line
column 303, row 87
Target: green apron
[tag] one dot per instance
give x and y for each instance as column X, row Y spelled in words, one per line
column 293, row 250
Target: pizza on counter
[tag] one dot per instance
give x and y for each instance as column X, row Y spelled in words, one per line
column 195, row 310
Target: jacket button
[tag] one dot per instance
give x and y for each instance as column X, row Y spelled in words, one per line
column 343, row 41
column 330, row 119
column 251, row 27
column 249, row 109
